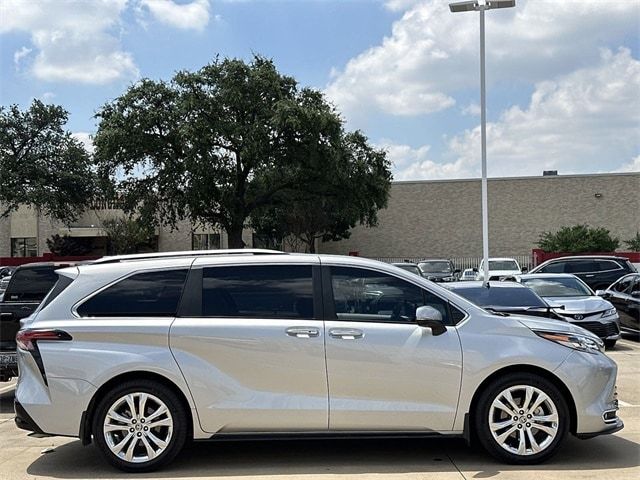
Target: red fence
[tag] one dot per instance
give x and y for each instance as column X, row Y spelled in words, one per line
column 47, row 257
column 540, row 256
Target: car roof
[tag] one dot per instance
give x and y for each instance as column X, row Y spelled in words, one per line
column 588, row 257
column 546, row 275
column 434, row 260
column 186, row 254
column 477, row 284
column 46, row 264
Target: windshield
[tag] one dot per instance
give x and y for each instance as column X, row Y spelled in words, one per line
column 501, row 297
column 503, row 265
column 435, row 267
column 409, row 268
column 558, row 287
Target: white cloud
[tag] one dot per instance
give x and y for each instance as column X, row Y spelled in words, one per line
column 20, row 54
column 414, row 163
column 193, row 15
column 86, row 139
column 632, row 166
column 75, row 40
column 432, row 53
column 472, row 110
column 585, row 121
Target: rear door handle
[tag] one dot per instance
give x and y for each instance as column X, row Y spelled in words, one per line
column 591, row 275
column 303, row 332
column 346, row 333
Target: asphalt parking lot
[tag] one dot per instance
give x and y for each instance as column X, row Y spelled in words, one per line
column 608, row 457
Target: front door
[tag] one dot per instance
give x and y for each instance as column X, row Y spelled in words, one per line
column 250, row 344
column 385, row 372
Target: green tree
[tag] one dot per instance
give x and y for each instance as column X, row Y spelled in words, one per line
column 633, row 243
column 41, row 164
column 128, row 235
column 578, row 239
column 356, row 186
column 220, row 146
column 66, row 246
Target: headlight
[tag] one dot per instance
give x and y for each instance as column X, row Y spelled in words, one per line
column 608, row 313
column 575, row 341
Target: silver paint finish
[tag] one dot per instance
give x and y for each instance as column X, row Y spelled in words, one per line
column 277, row 375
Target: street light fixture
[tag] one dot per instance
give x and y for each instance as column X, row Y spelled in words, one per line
column 481, row 6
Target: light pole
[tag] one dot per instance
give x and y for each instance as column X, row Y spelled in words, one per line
column 481, row 6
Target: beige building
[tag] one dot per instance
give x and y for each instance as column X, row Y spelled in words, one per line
column 423, row 219
column 442, row 218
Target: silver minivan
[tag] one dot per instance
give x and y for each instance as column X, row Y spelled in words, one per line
column 139, row 354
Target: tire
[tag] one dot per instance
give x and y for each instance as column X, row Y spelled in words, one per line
column 148, row 447
column 609, row 344
column 505, row 441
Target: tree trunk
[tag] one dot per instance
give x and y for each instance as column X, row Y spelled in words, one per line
column 234, row 234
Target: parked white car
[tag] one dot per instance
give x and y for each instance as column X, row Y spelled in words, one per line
column 499, row 268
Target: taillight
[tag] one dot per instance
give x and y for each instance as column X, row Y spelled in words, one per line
column 26, row 339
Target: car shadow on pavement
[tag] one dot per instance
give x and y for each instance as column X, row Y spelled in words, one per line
column 337, row 457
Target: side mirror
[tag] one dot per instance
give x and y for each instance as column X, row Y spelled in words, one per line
column 524, row 269
column 601, row 293
column 475, row 270
column 430, row 317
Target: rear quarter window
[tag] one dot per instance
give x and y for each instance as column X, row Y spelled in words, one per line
column 30, row 284
column 146, row 294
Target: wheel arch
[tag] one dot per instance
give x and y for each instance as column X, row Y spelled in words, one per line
column 87, row 416
column 526, row 369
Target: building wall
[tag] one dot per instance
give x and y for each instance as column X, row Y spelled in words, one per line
column 432, row 218
column 443, row 218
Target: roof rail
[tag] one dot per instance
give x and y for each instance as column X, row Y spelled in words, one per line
column 185, row 253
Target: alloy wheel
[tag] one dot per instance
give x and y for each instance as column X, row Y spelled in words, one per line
column 138, row 427
column 523, row 420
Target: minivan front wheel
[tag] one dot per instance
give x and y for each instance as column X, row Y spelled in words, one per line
column 140, row 426
column 522, row 419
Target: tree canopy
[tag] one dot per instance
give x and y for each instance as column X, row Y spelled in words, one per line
column 41, row 164
column 578, row 239
column 235, row 144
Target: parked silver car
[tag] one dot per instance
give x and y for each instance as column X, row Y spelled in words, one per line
column 140, row 353
column 573, row 300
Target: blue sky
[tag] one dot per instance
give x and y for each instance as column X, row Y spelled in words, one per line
column 563, row 77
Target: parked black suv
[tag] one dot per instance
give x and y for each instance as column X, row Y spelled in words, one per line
column 625, row 296
column 596, row 271
column 29, row 285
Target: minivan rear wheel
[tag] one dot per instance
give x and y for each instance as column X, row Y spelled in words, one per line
column 522, row 418
column 140, row 426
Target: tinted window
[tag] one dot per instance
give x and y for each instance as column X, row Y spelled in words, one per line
column 555, row 267
column 501, row 297
column 624, row 285
column 149, row 294
column 370, row 296
column 436, row 267
column 264, row 291
column 558, row 287
column 30, row 284
column 608, row 265
column 503, row 265
column 581, row 266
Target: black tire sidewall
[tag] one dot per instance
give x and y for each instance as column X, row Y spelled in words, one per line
column 173, row 403
column 481, row 422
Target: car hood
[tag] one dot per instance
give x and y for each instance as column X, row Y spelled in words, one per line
column 547, row 324
column 437, row 274
column 579, row 304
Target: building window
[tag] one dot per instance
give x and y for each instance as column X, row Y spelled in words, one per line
column 24, row 247
column 266, row 241
column 205, row 241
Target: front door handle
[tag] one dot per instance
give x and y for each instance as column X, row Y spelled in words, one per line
column 303, row 332
column 346, row 333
